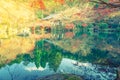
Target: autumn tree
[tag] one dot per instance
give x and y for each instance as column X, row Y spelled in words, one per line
column 38, row 4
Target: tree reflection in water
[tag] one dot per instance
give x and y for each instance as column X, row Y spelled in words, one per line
column 83, row 47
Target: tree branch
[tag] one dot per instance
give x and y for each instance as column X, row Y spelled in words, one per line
column 113, row 5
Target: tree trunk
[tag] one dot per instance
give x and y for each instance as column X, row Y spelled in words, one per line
column 118, row 73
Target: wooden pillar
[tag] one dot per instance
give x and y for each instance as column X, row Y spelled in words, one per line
column 42, row 29
column 118, row 74
column 33, row 30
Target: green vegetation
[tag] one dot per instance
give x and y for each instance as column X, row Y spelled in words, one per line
column 55, row 60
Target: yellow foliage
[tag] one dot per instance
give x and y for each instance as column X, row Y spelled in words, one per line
column 11, row 47
column 15, row 13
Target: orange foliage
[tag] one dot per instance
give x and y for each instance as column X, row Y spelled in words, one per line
column 74, row 47
column 60, row 1
column 33, row 29
column 39, row 4
column 84, row 25
column 78, row 14
column 112, row 1
column 69, row 26
column 84, row 35
column 69, row 34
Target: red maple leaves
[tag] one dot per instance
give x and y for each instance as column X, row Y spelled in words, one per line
column 69, row 26
column 84, row 25
column 39, row 4
column 69, row 34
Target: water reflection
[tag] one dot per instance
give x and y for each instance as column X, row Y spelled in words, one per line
column 89, row 54
column 30, row 72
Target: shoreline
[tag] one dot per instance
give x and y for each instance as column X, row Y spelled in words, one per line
column 59, row 76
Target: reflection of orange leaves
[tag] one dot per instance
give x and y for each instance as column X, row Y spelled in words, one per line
column 60, row 1
column 42, row 36
column 98, row 18
column 74, row 47
column 69, row 26
column 84, row 35
column 78, row 42
column 69, row 34
column 33, row 29
column 38, row 4
column 84, row 25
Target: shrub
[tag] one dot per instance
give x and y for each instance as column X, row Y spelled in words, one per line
column 103, row 25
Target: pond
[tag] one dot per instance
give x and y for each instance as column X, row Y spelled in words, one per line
column 93, row 55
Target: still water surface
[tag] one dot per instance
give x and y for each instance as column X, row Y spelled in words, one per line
column 93, row 56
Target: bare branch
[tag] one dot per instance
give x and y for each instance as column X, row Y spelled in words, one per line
column 109, row 4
